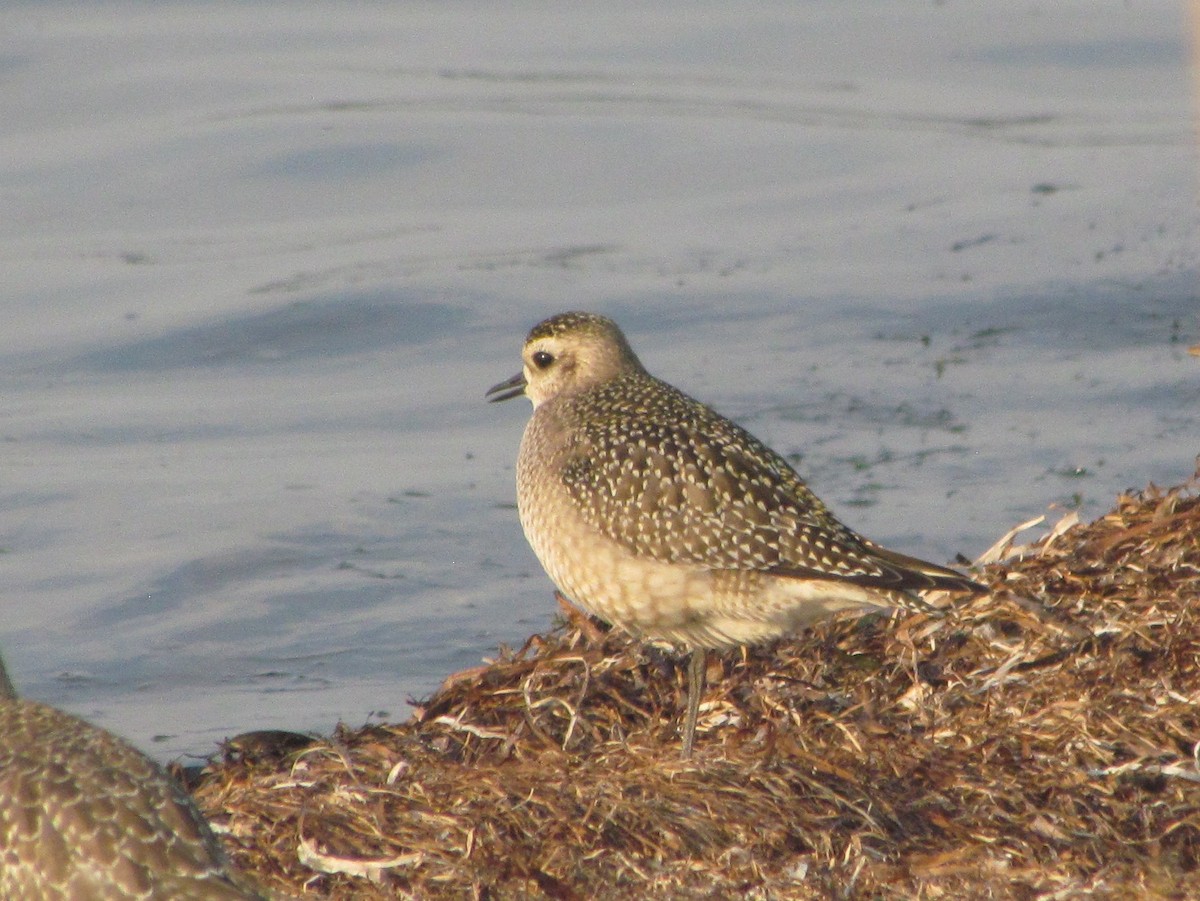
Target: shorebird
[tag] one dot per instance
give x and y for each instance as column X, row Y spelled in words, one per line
column 663, row 518
column 85, row 816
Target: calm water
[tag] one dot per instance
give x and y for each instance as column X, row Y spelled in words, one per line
column 262, row 260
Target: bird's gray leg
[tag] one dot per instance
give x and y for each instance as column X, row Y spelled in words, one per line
column 695, row 680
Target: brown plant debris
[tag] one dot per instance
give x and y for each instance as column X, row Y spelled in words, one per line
column 1037, row 742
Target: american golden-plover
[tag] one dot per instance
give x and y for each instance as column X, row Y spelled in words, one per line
column 663, row 518
column 85, row 816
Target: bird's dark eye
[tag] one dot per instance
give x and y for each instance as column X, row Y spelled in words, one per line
column 542, row 359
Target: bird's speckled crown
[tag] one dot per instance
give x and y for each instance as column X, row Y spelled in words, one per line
column 574, row 322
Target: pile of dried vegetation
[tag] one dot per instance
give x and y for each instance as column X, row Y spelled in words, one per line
column 1038, row 741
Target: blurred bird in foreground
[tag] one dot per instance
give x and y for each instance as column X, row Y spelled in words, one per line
column 85, row 816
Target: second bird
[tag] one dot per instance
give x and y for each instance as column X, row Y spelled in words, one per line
column 664, row 518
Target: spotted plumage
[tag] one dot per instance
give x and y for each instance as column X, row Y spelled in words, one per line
column 664, row 518
column 84, row 816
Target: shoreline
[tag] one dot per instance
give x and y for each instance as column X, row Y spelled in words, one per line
column 1034, row 740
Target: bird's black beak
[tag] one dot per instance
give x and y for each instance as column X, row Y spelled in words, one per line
column 508, row 389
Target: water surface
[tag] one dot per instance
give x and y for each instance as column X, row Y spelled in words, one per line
column 263, row 261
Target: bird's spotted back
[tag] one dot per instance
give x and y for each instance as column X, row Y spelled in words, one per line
column 83, row 814
column 672, row 480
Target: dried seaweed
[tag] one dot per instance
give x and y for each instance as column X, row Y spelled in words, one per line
column 1041, row 741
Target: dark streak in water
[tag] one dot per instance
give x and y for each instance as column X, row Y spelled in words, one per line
column 320, row 327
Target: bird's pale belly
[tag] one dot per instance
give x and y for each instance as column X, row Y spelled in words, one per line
column 685, row 604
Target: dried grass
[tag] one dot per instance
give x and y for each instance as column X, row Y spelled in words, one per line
column 1040, row 741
